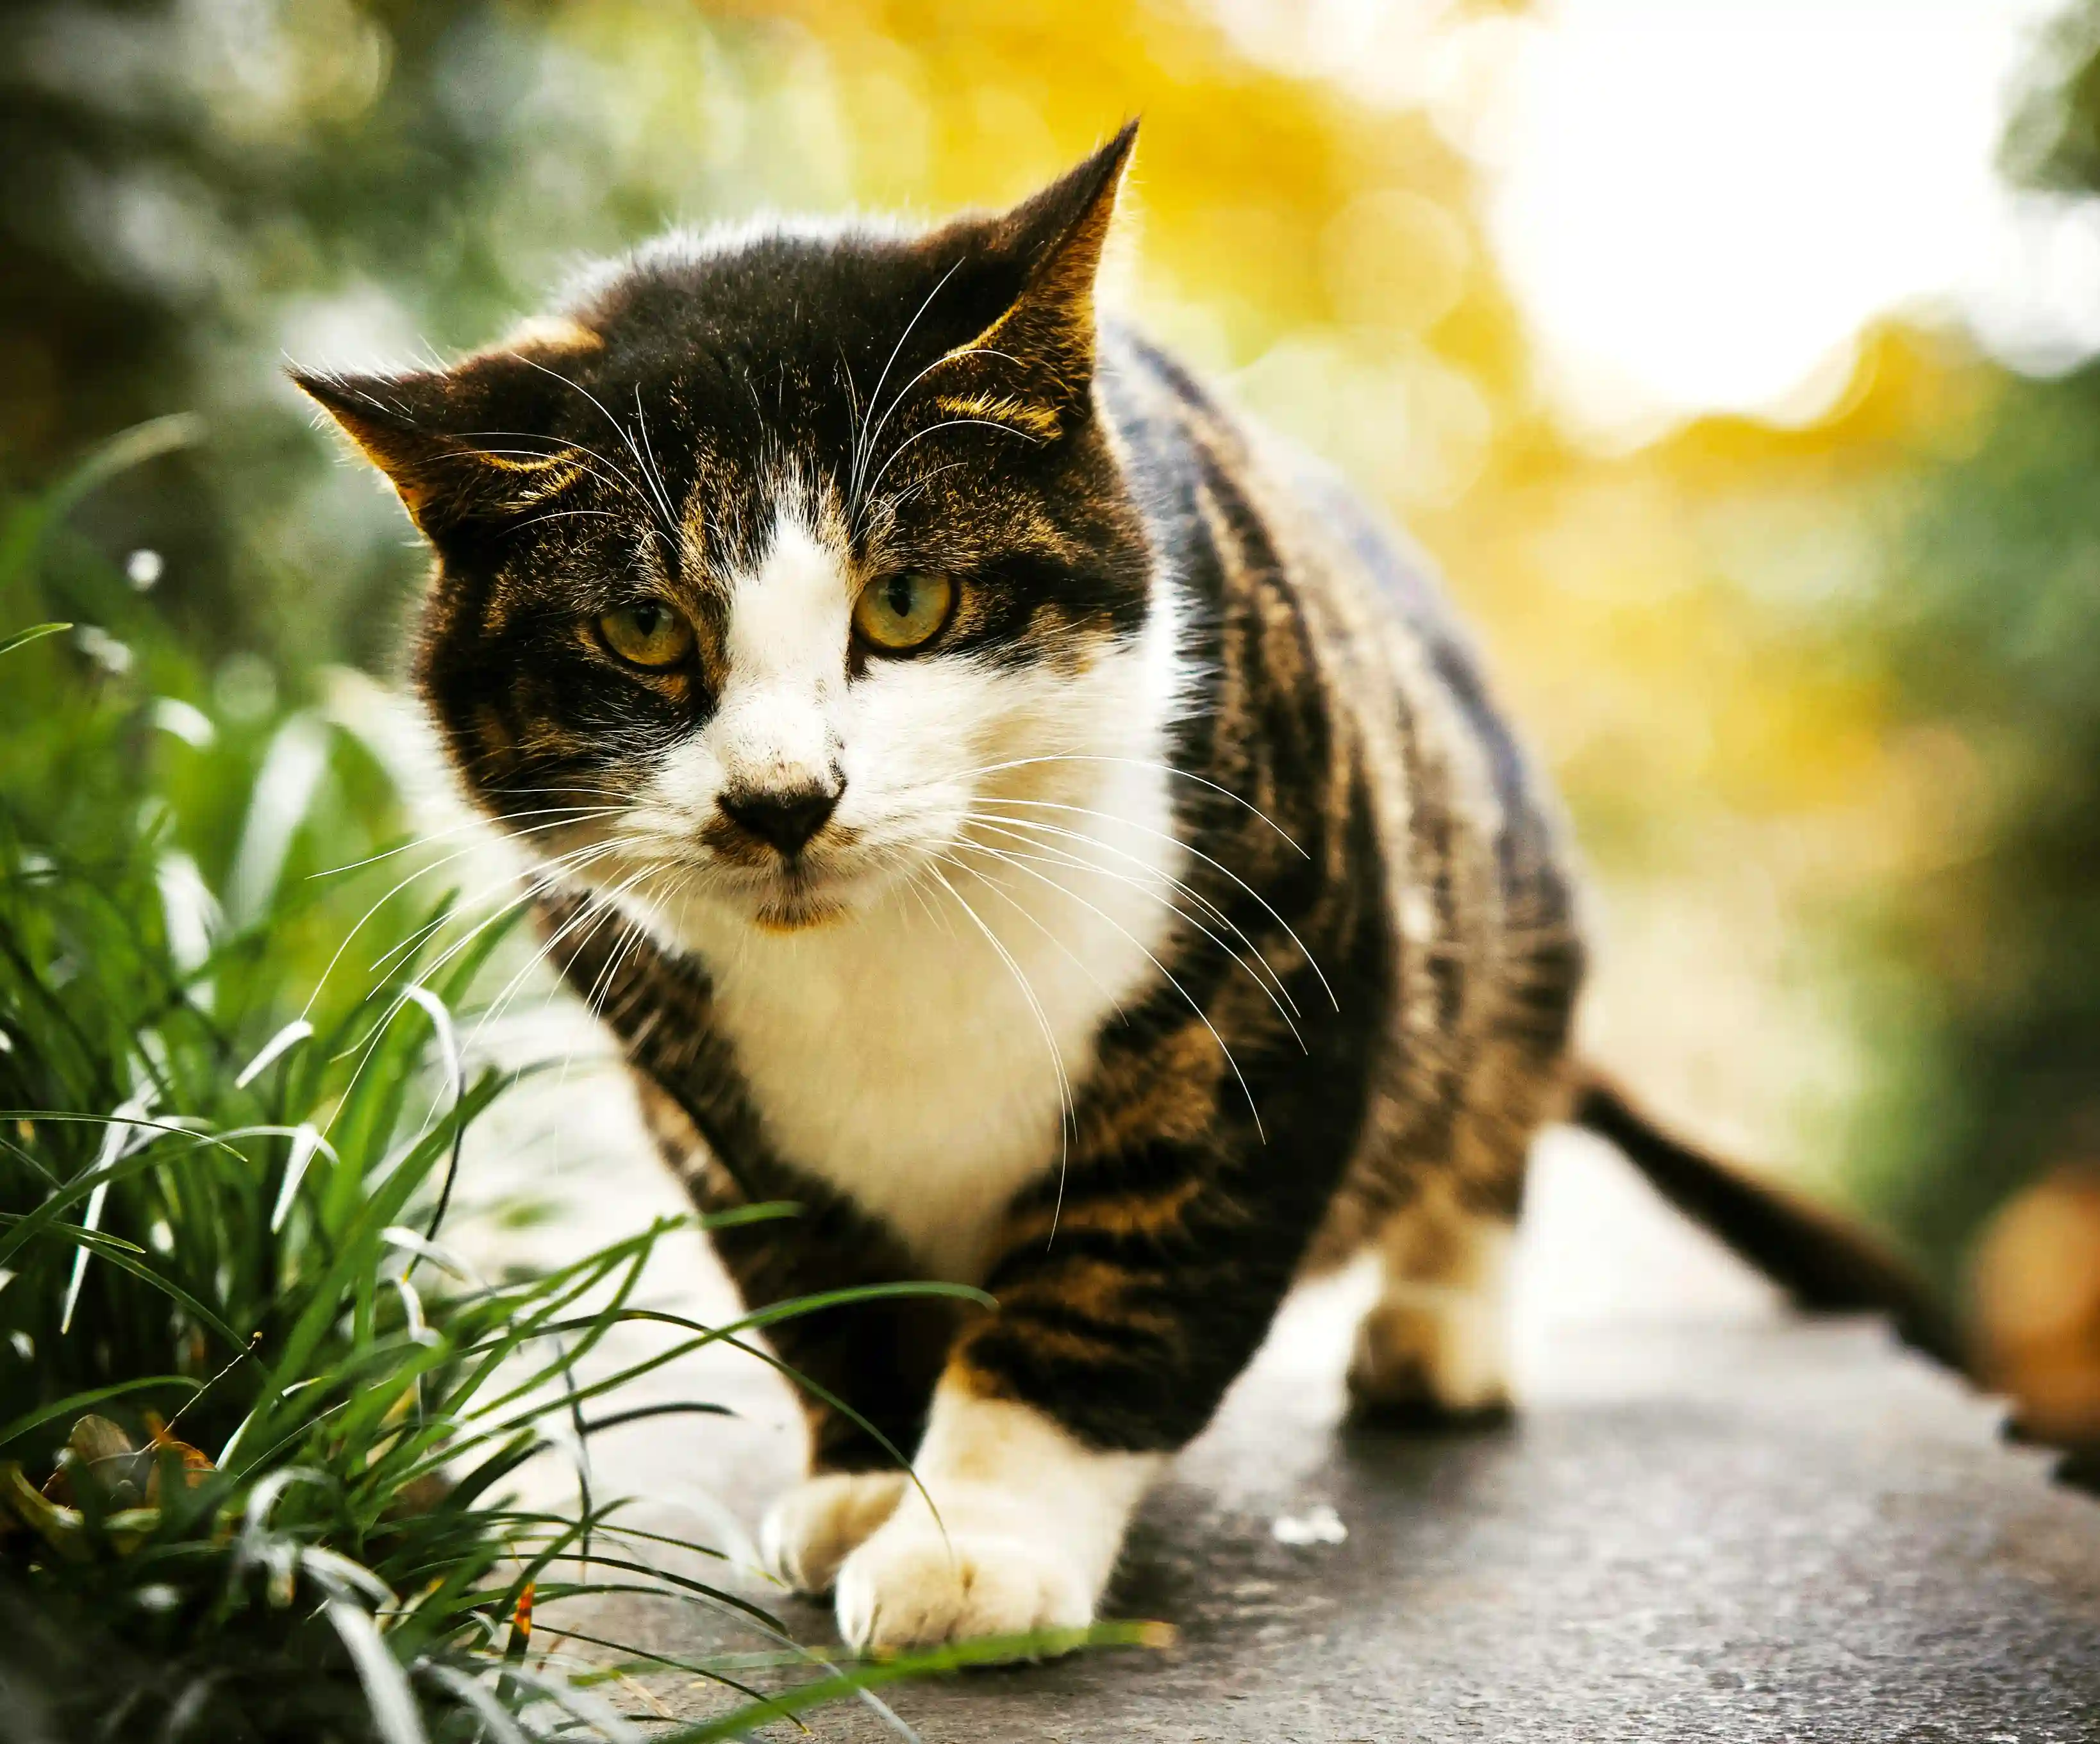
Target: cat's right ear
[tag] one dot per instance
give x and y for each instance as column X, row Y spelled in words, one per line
column 439, row 436
column 1033, row 365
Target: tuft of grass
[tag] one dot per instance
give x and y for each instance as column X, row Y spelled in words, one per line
column 258, row 1427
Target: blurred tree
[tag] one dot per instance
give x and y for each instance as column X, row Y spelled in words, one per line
column 2053, row 138
column 1991, row 634
column 1985, row 628
column 178, row 174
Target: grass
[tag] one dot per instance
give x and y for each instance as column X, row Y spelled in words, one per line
column 259, row 1430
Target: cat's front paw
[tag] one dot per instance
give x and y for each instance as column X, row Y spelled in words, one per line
column 812, row 1529
column 908, row 1585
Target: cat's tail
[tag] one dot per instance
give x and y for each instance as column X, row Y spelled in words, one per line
column 1827, row 1264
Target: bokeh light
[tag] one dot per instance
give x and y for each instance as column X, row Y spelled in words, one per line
column 1732, row 357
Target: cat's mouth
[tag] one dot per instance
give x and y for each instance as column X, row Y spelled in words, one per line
column 826, row 886
column 757, row 885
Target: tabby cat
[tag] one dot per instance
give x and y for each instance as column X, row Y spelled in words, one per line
column 1007, row 805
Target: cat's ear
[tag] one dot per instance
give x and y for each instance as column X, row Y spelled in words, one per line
column 1056, row 238
column 449, row 440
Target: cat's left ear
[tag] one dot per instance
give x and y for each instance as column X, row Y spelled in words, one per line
column 447, row 440
column 1056, row 238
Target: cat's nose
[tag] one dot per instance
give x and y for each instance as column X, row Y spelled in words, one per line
column 785, row 817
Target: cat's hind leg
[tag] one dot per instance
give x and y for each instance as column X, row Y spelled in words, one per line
column 1433, row 1347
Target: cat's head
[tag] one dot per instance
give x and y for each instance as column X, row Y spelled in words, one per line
column 761, row 564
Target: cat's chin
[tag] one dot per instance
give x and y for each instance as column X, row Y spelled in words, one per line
column 802, row 900
column 718, row 904
column 798, row 913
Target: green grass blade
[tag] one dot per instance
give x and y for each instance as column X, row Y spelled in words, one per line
column 998, row 1650
column 35, row 633
column 43, row 1414
column 126, row 1257
column 395, row 1715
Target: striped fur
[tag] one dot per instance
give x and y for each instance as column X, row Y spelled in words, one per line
column 1191, row 690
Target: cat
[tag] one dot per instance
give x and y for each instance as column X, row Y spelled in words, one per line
column 1011, row 807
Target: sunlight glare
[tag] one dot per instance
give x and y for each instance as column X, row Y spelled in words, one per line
column 1701, row 202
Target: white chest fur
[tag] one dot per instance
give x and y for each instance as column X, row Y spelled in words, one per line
column 1012, row 829
column 919, row 1055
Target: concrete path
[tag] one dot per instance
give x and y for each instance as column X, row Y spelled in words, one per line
column 1711, row 1522
column 1787, row 1535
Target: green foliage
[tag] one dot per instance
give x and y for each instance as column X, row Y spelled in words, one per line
column 1988, row 990
column 1979, row 973
column 257, row 1426
column 2053, row 141
column 196, row 190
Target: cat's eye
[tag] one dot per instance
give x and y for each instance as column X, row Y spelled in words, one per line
column 646, row 634
column 903, row 611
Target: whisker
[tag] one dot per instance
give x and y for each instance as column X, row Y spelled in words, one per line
column 307, row 1010
column 498, row 1007
column 620, row 478
column 1164, row 835
column 1068, row 1120
column 550, row 874
column 914, row 884
column 650, row 470
column 1201, row 1017
column 555, row 446
column 545, row 876
column 1082, row 865
column 1115, row 1004
column 602, row 793
column 569, row 514
column 670, row 527
column 904, row 392
column 1180, row 884
column 855, row 424
column 418, row 934
column 472, row 823
column 604, row 902
column 905, row 496
column 489, row 1014
column 861, row 458
column 575, row 858
column 955, row 356
column 1138, row 763
column 630, row 937
column 896, row 453
column 1022, row 908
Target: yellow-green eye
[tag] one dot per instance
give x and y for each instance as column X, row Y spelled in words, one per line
column 649, row 633
column 901, row 611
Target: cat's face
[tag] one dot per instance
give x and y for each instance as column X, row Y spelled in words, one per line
column 765, row 564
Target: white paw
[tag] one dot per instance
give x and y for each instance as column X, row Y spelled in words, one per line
column 812, row 1529
column 909, row 1587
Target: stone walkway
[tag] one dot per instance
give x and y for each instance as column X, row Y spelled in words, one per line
column 1710, row 1522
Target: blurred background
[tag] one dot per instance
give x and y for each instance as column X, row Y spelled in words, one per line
column 1734, row 356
